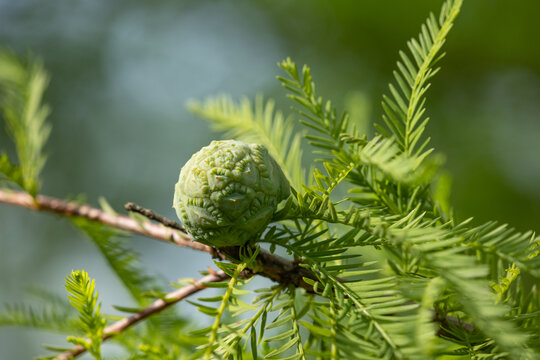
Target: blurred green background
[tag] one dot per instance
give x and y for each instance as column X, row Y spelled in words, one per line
column 123, row 70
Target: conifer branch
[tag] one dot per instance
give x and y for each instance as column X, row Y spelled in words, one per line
column 271, row 266
column 157, row 306
column 274, row 267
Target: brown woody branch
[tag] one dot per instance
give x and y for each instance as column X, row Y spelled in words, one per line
column 46, row 203
column 271, row 266
column 157, row 306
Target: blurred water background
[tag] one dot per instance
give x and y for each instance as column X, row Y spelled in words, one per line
column 123, row 70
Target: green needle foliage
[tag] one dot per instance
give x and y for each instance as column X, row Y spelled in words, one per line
column 393, row 275
column 83, row 298
column 404, row 111
column 51, row 318
column 22, row 85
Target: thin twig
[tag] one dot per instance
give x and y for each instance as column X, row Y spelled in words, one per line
column 153, row 216
column 157, row 306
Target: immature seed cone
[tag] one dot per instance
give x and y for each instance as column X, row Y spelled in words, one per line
column 228, row 191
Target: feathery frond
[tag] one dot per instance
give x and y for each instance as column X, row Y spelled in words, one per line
column 84, row 299
column 258, row 123
column 377, row 166
column 52, row 318
column 316, row 114
column 441, row 251
column 338, row 140
column 21, row 91
column 404, row 111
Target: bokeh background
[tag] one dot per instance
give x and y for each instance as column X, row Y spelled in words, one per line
column 123, row 70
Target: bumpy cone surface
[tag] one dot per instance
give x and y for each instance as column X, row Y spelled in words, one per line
column 228, row 191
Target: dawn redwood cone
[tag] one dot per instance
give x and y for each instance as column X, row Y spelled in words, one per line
column 228, row 191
